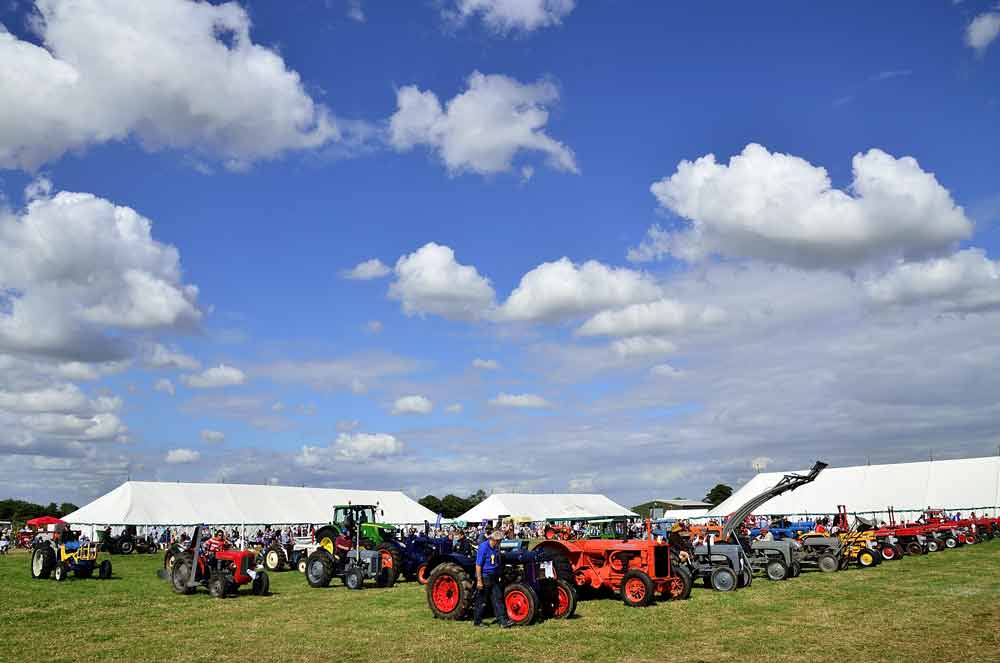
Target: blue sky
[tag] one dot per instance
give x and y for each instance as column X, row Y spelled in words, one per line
column 744, row 315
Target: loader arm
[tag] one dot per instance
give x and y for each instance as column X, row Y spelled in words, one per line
column 787, row 483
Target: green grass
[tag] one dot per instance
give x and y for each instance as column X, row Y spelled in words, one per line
column 941, row 607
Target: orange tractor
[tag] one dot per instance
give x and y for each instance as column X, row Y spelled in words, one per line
column 636, row 569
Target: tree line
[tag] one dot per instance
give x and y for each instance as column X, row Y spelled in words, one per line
column 20, row 511
column 452, row 506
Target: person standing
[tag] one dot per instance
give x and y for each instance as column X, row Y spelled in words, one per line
column 489, row 570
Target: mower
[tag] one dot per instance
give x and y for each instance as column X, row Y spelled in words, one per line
column 223, row 572
column 532, row 588
column 57, row 559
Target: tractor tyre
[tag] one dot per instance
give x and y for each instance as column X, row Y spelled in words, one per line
column 776, row 570
column 933, row 546
column 125, row 547
column 326, row 536
column 558, row 599
column 914, row 548
column 795, row 570
column 354, row 579
column 827, row 563
column 43, row 558
column 391, row 560
column 845, row 561
column 60, row 572
column 449, row 591
column 104, row 570
column 84, row 571
column 888, row 553
column 422, row 575
column 521, row 603
column 867, row 558
column 900, row 553
column 723, row 579
column 679, row 587
column 744, row 579
column 300, row 566
column 385, row 578
column 181, row 574
column 950, row 542
column 217, row 586
column 275, row 558
column 168, row 561
column 319, row 568
column 636, row 589
column 261, row 584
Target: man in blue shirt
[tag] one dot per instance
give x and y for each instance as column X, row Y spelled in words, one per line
column 489, row 568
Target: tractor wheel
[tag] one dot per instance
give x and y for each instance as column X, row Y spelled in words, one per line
column 354, row 579
column 723, row 579
column 521, row 603
column 274, row 558
column 867, row 558
column 743, row 580
column 217, row 586
column 422, row 575
column 950, row 542
column 827, row 563
column 43, row 558
column 319, row 568
column 391, row 559
column 562, row 566
column 888, row 553
column 776, row 570
column 914, row 548
column 180, row 575
column 845, row 561
column 261, row 584
column 385, row 578
column 104, row 570
column 325, row 537
column 168, row 561
column 558, row 599
column 933, row 546
column 449, row 591
column 636, row 589
column 300, row 566
column 60, row 572
column 126, row 547
column 84, row 571
column 679, row 587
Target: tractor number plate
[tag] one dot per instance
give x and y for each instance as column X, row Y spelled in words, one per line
column 548, row 570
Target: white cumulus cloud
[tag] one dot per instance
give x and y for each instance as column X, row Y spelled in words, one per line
column 172, row 73
column 182, row 456
column 412, row 405
column 505, row 16
column 660, row 317
column 780, row 208
column 640, row 347
column 430, row 280
column 214, row 377
column 212, row 436
column 160, row 356
column 350, row 447
column 482, row 129
column 367, row 270
column 983, row 30
column 529, row 401
column 966, row 281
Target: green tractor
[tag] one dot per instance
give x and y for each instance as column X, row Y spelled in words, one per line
column 373, row 535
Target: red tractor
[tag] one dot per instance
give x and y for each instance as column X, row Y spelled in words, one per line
column 221, row 571
column 636, row 569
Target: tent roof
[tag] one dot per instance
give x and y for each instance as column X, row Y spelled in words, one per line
column 544, row 505
column 156, row 503
column 951, row 484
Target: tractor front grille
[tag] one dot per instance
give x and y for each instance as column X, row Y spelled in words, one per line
column 661, row 561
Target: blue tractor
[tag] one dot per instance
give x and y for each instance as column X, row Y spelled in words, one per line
column 532, row 588
column 416, row 551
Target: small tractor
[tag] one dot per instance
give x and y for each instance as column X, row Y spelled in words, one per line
column 532, row 588
column 349, row 560
column 730, row 563
column 359, row 523
column 223, row 572
column 59, row 558
column 123, row 544
column 277, row 557
column 635, row 569
column 859, row 543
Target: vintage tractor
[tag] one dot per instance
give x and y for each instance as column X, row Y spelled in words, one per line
column 59, row 558
column 278, row 557
column 123, row 544
column 359, row 522
column 417, row 551
column 859, row 543
column 532, row 588
column 729, row 563
column 348, row 560
column 635, row 569
column 223, row 572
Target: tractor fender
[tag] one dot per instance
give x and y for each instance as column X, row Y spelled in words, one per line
column 468, row 564
column 574, row 568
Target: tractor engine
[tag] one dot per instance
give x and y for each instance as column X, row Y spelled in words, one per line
column 369, row 561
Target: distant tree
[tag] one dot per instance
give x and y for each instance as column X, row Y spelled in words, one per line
column 475, row 498
column 719, row 494
column 453, row 506
column 430, row 502
column 67, row 508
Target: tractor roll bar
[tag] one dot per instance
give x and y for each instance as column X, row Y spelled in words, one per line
column 787, row 483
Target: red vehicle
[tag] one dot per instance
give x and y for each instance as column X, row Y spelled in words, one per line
column 636, row 569
column 221, row 571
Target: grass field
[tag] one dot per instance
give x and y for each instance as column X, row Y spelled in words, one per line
column 936, row 608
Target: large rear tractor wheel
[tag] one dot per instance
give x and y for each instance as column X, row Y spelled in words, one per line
column 126, row 547
column 319, row 568
column 637, row 589
column 950, row 542
column 449, row 591
column 104, row 570
column 827, row 563
column 274, row 559
column 867, row 558
column 181, row 574
column 84, row 571
column 558, row 599
column 776, row 570
column 723, row 579
column 914, row 548
column 392, row 561
column 679, row 587
column 521, row 603
column 43, row 558
column 326, row 536
column 261, row 584
column 795, row 570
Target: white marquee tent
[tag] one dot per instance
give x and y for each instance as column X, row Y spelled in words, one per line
column 156, row 503
column 540, row 506
column 957, row 485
